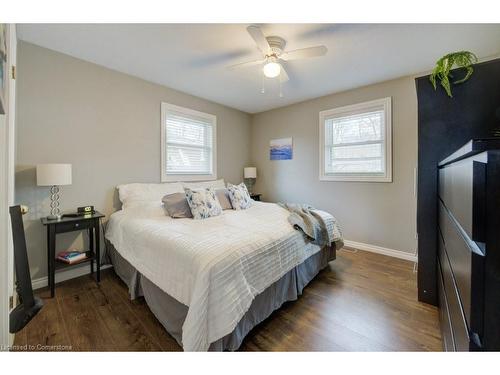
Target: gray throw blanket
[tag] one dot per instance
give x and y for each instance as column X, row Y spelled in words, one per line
column 318, row 226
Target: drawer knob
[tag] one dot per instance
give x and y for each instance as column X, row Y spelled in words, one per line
column 77, row 225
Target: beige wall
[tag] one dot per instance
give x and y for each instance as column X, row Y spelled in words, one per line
column 382, row 214
column 107, row 125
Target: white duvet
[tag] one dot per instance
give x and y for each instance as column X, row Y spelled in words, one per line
column 215, row 266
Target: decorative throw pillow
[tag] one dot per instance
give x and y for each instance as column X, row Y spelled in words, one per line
column 177, row 206
column 203, row 203
column 239, row 196
column 223, row 197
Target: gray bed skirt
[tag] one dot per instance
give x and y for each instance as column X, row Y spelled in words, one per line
column 171, row 313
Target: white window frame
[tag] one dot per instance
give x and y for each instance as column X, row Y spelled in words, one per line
column 353, row 109
column 165, row 108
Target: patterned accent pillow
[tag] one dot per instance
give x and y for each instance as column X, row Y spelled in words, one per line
column 239, row 196
column 203, row 203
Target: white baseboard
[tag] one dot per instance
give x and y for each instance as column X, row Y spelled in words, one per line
column 61, row 276
column 382, row 250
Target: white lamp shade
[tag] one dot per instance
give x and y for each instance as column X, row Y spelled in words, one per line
column 250, row 172
column 53, row 174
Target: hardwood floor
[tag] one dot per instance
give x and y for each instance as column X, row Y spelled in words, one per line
column 361, row 302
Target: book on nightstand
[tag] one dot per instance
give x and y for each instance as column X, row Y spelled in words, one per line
column 71, row 256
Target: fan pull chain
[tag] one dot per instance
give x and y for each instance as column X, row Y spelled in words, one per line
column 281, row 88
column 263, row 90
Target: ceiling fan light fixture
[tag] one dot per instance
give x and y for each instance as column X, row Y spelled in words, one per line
column 272, row 69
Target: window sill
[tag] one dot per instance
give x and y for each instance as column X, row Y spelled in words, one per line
column 188, row 177
column 356, row 178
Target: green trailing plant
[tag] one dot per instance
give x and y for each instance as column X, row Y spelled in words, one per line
column 442, row 71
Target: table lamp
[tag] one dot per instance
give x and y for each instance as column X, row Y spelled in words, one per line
column 53, row 175
column 250, row 174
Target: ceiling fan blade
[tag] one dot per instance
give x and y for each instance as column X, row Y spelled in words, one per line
column 283, row 74
column 259, row 39
column 304, row 53
column 246, row 64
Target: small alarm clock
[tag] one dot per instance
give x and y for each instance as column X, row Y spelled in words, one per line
column 86, row 210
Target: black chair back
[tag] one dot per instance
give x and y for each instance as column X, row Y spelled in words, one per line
column 29, row 304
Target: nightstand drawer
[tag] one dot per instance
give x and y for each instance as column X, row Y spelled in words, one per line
column 72, row 226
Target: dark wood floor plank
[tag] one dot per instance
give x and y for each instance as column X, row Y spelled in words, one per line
column 124, row 326
column 389, row 305
column 293, row 330
column 154, row 327
column 86, row 330
column 46, row 331
column 70, row 287
column 20, row 341
column 145, row 316
column 379, row 323
column 360, row 302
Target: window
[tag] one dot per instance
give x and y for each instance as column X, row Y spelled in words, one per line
column 188, row 144
column 355, row 142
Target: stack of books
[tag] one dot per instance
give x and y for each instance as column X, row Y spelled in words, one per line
column 71, row 256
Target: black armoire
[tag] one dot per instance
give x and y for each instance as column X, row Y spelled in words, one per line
column 445, row 125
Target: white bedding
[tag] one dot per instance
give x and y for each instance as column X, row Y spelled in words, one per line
column 214, row 266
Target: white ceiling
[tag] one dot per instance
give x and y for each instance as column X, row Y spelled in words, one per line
column 192, row 57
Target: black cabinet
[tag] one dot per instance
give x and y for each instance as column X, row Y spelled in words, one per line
column 468, row 264
column 444, row 125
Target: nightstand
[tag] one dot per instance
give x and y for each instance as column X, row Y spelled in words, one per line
column 255, row 197
column 91, row 223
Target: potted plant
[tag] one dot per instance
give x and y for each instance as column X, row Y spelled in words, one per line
column 442, row 71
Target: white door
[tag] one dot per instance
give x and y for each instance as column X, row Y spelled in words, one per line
column 7, row 163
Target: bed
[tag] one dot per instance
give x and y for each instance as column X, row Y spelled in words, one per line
column 209, row 282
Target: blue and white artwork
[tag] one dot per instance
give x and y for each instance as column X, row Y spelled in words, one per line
column 281, row 149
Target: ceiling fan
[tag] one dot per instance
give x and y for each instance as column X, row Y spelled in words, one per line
column 272, row 47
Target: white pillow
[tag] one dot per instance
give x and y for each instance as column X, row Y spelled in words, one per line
column 130, row 194
column 216, row 184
